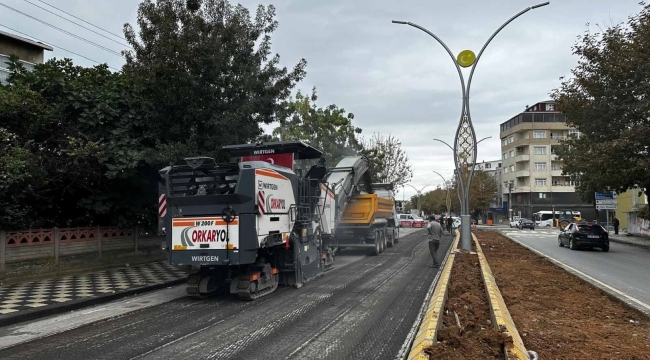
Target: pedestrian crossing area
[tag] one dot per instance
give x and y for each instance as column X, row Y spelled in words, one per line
column 36, row 294
column 531, row 233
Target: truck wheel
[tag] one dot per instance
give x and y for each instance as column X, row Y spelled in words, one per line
column 390, row 236
column 396, row 235
column 382, row 241
column 375, row 250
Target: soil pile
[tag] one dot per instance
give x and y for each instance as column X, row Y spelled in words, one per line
column 556, row 313
column 476, row 338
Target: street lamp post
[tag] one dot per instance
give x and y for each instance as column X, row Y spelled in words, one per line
column 418, row 193
column 448, row 201
column 465, row 141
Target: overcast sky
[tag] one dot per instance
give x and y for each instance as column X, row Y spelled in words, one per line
column 394, row 78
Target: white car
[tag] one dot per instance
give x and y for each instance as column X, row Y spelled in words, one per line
column 515, row 222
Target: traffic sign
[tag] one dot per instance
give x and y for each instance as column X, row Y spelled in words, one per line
column 606, row 201
column 607, row 207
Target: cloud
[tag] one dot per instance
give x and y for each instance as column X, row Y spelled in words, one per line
column 394, row 78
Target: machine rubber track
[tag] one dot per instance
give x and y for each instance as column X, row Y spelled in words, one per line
column 192, row 286
column 247, row 290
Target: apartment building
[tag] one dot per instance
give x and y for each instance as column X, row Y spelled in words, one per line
column 532, row 179
column 28, row 51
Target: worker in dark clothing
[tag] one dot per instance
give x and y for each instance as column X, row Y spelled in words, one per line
column 318, row 171
column 450, row 222
column 435, row 236
column 616, row 224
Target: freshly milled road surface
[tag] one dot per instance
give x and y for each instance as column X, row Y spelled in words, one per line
column 363, row 310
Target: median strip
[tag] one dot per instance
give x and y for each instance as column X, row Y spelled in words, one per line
column 432, row 320
column 501, row 319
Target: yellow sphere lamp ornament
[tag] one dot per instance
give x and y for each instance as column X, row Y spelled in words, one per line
column 466, row 58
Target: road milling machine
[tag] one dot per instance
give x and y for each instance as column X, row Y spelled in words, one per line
column 255, row 223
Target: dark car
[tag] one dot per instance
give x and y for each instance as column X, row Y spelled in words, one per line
column 527, row 223
column 584, row 235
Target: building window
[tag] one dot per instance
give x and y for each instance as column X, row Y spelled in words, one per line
column 505, row 170
column 512, row 168
column 540, row 182
column 555, row 167
column 540, row 166
column 499, row 165
column 540, row 150
column 511, row 139
column 539, row 134
column 550, row 107
column 556, row 136
column 574, row 132
column 505, row 141
column 542, row 195
column 505, row 156
column 512, row 153
column 488, row 166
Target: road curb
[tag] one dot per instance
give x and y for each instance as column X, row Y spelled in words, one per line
column 501, row 319
column 429, row 321
column 616, row 295
column 37, row 313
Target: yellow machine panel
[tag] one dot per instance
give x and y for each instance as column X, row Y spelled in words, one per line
column 364, row 208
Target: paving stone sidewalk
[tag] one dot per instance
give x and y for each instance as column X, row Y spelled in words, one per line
column 624, row 238
column 38, row 294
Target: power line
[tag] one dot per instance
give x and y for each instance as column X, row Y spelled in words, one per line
column 55, row 14
column 64, row 31
column 78, row 18
column 58, row 47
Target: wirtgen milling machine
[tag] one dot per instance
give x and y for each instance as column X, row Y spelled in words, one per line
column 253, row 225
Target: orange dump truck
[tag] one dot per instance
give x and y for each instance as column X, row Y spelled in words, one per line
column 369, row 221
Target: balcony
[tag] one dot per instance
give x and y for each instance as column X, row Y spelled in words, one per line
column 522, row 158
column 556, row 173
column 522, row 173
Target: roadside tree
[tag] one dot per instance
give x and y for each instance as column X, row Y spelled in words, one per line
column 389, row 163
column 207, row 72
column 606, row 101
column 328, row 129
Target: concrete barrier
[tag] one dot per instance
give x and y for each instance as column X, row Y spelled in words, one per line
column 427, row 332
column 501, row 318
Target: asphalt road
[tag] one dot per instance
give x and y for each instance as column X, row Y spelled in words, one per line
column 624, row 267
column 363, row 309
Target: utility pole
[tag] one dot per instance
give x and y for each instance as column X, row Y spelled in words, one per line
column 509, row 201
column 465, row 141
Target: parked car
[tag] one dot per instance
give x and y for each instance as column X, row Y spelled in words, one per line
column 584, row 235
column 410, row 220
column 514, row 222
column 456, row 223
column 527, row 223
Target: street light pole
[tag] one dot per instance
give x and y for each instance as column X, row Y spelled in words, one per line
column 448, row 202
column 465, row 141
column 418, row 194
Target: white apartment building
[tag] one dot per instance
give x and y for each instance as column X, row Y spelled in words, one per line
column 532, row 177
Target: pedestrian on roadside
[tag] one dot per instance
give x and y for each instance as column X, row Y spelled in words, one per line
column 435, row 236
column 616, row 224
column 450, row 222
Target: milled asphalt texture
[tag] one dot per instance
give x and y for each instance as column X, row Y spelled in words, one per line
column 361, row 311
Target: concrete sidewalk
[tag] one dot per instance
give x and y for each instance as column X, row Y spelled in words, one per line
column 34, row 299
column 625, row 238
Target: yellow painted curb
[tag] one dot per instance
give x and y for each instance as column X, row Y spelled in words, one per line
column 432, row 321
column 501, row 318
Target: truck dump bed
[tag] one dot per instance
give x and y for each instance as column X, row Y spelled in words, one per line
column 364, row 208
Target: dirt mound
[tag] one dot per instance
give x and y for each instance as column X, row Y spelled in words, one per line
column 476, row 338
column 557, row 314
